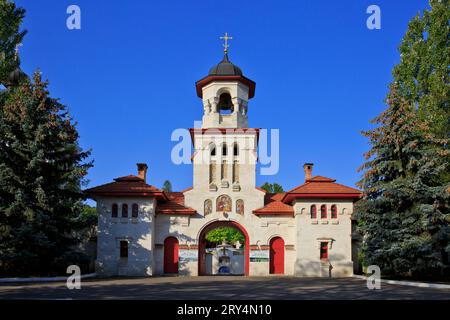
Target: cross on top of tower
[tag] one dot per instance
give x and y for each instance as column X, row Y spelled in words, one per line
column 225, row 45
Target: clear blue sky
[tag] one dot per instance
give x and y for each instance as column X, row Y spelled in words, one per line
column 128, row 76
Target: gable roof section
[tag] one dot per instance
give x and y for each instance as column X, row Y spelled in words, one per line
column 174, row 205
column 274, row 207
column 128, row 186
column 321, row 187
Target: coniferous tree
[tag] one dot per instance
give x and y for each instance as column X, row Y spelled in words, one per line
column 404, row 215
column 10, row 37
column 167, row 186
column 41, row 173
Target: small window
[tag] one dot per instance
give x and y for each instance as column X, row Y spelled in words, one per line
column 313, row 212
column 323, row 212
column 124, row 210
column 224, row 150
column 324, row 250
column 213, row 150
column 114, row 210
column 333, row 212
column 134, row 210
column 124, row 249
column 235, row 150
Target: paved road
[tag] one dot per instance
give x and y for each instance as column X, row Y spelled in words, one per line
column 219, row 288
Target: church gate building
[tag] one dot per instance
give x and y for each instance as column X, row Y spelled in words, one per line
column 144, row 231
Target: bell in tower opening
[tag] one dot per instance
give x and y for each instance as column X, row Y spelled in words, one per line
column 225, row 104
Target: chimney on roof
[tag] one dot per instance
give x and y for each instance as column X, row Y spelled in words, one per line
column 308, row 170
column 142, row 171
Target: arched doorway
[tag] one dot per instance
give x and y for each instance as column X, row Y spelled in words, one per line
column 276, row 256
column 171, row 255
column 202, row 244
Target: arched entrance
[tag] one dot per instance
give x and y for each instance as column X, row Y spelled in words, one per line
column 202, row 244
column 276, row 256
column 171, row 255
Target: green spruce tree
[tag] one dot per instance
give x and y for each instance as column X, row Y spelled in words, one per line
column 10, row 37
column 404, row 215
column 167, row 186
column 41, row 173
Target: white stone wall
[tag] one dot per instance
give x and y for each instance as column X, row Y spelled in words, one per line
column 310, row 232
column 139, row 232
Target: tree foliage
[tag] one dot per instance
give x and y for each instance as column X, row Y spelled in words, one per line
column 422, row 75
column 42, row 170
column 272, row 187
column 167, row 186
column 405, row 215
column 10, row 36
column 229, row 234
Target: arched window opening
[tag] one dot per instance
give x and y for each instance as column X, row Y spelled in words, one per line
column 235, row 150
column 134, row 210
column 333, row 212
column 323, row 212
column 313, row 212
column 124, row 210
column 224, row 149
column 212, row 147
column 225, row 104
column 114, row 210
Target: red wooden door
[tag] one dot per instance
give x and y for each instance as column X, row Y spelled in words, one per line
column 171, row 255
column 324, row 250
column 276, row 256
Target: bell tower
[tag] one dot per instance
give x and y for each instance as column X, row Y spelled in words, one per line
column 225, row 147
column 225, row 92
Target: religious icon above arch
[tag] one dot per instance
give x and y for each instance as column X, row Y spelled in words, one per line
column 223, row 203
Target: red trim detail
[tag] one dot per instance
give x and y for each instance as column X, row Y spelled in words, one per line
column 202, row 247
column 208, row 79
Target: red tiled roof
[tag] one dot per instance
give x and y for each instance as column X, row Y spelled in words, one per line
column 131, row 186
column 174, row 206
column 273, row 206
column 321, row 187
